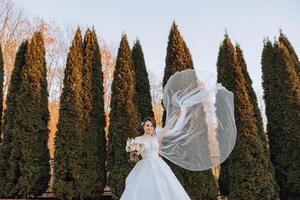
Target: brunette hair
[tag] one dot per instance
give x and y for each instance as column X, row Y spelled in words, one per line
column 150, row 119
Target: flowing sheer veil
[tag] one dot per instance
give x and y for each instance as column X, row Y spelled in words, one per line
column 200, row 129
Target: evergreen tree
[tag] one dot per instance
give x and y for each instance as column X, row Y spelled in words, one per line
column 257, row 114
column 245, row 174
column 189, row 60
column 178, row 56
column 282, row 96
column 199, row 185
column 98, row 114
column 143, row 96
column 123, row 118
column 284, row 40
column 30, row 124
column 69, row 127
column 290, row 102
column 91, row 179
column 252, row 96
column 9, row 167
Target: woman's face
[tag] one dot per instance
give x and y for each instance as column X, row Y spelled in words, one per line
column 148, row 128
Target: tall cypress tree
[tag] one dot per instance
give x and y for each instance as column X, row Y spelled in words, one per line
column 44, row 171
column 188, row 56
column 92, row 176
column 98, row 114
column 290, row 102
column 245, row 174
column 123, row 118
column 284, row 40
column 257, row 114
column 271, row 96
column 30, row 124
column 178, row 56
column 199, row 185
column 9, row 162
column 252, row 96
column 69, row 127
column 143, row 96
column 282, row 96
column 88, row 135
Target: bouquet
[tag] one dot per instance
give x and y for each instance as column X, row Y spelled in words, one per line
column 134, row 149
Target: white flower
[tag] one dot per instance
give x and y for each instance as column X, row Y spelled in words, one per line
column 134, row 148
column 129, row 145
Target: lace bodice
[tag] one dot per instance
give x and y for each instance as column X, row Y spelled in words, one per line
column 151, row 146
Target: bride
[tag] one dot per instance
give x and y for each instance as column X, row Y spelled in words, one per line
column 152, row 178
column 199, row 134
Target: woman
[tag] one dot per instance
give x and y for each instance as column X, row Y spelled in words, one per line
column 199, row 134
column 152, row 178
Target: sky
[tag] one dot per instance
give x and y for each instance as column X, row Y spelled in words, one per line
column 201, row 23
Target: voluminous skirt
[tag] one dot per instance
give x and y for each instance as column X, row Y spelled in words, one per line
column 153, row 179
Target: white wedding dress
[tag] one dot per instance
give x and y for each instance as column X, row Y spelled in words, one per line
column 152, row 178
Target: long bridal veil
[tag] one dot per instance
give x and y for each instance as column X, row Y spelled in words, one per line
column 200, row 113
